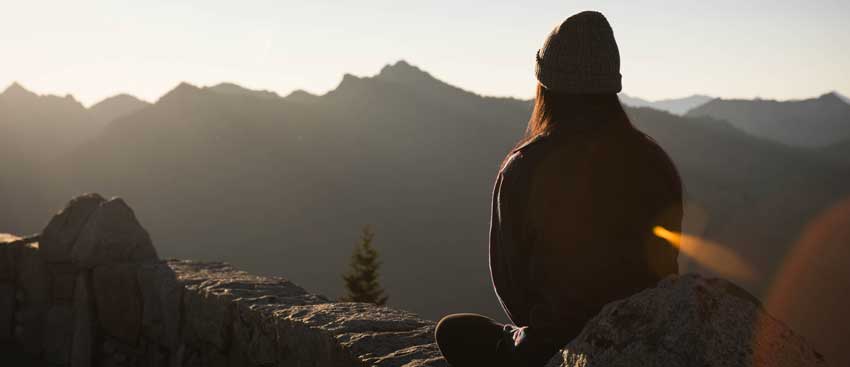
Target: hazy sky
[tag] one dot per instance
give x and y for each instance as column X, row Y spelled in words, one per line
column 94, row 49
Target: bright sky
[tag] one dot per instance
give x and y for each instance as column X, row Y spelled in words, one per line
column 728, row 48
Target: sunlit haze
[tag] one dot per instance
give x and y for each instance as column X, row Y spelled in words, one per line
column 95, row 49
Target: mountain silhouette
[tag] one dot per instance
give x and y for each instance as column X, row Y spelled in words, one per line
column 676, row 106
column 283, row 185
column 114, row 107
column 301, row 96
column 815, row 122
column 842, row 97
column 230, row 88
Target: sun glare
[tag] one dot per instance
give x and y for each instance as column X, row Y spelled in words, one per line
column 711, row 255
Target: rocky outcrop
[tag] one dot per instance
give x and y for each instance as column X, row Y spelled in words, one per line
column 60, row 234
column 94, row 293
column 233, row 315
column 112, row 234
column 687, row 321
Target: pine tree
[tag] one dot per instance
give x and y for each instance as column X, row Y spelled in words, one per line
column 361, row 281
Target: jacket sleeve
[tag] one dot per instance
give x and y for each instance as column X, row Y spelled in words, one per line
column 509, row 254
column 556, row 200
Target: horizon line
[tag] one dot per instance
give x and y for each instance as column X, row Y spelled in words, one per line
column 398, row 62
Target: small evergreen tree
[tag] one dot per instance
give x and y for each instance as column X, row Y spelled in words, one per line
column 361, row 281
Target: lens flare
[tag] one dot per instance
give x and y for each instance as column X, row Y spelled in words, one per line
column 708, row 254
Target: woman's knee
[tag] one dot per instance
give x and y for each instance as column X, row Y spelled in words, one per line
column 447, row 328
column 465, row 326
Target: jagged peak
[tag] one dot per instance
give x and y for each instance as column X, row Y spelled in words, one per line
column 122, row 97
column 841, row 97
column 403, row 72
column 182, row 90
column 16, row 89
column 833, row 96
column 301, row 96
column 233, row 88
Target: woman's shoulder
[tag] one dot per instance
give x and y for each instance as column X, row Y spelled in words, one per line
column 526, row 154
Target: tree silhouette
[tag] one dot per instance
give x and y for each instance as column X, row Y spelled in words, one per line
column 361, row 281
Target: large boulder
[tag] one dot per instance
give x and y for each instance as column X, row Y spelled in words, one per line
column 82, row 347
column 687, row 321
column 118, row 301
column 33, row 287
column 62, row 276
column 162, row 297
column 61, row 232
column 7, row 311
column 112, row 234
column 8, row 255
column 58, row 334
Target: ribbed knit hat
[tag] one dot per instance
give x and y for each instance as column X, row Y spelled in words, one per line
column 580, row 56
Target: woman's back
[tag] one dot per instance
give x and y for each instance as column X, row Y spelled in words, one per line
column 572, row 224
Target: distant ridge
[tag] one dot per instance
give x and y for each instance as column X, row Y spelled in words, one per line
column 676, row 106
column 404, row 73
column 115, row 107
column 842, row 97
column 301, row 96
column 814, row 122
column 231, row 88
column 15, row 90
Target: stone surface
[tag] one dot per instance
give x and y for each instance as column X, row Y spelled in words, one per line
column 257, row 320
column 33, row 288
column 112, row 234
column 62, row 277
column 7, row 312
column 162, row 296
column 687, row 321
column 33, row 278
column 30, row 332
column 82, row 346
column 118, row 301
column 61, row 232
column 8, row 257
column 58, row 335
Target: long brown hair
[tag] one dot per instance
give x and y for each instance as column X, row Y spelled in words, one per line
column 555, row 111
column 561, row 112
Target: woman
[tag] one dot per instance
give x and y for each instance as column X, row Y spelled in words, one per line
column 574, row 207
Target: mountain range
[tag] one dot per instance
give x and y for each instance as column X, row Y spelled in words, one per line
column 281, row 185
column 676, row 106
column 812, row 123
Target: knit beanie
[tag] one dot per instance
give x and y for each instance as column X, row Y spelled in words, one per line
column 580, row 56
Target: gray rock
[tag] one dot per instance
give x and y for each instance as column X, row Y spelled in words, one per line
column 59, row 333
column 270, row 321
column 82, row 346
column 115, row 353
column 33, row 283
column 30, row 331
column 118, row 302
column 33, row 295
column 33, row 278
column 7, row 311
column 162, row 296
column 687, row 321
column 376, row 336
column 63, row 229
column 62, row 277
column 8, row 257
column 112, row 234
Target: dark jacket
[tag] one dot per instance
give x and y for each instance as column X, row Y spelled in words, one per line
column 572, row 225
